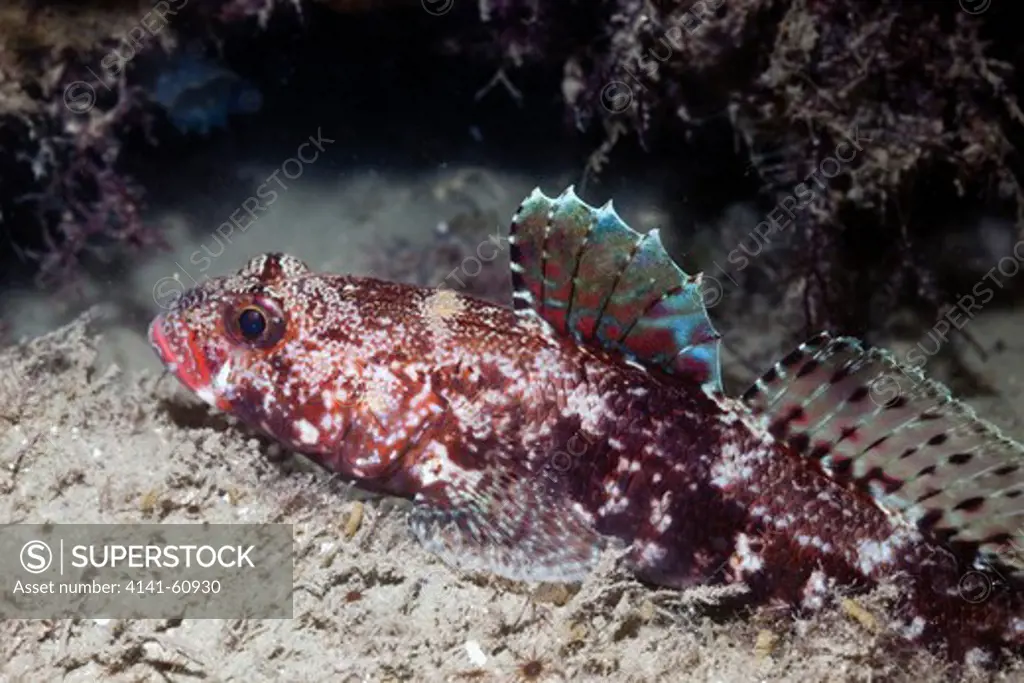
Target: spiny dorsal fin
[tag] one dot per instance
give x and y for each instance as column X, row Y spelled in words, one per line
column 588, row 274
column 901, row 438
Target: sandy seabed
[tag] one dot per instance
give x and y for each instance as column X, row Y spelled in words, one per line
column 91, row 432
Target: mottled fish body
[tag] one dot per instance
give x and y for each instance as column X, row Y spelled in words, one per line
column 591, row 413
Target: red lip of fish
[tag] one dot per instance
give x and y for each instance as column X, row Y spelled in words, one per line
column 592, row 411
column 183, row 360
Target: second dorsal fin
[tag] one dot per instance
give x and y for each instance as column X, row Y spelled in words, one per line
column 903, row 439
column 589, row 275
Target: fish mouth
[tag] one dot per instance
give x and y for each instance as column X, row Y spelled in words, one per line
column 182, row 359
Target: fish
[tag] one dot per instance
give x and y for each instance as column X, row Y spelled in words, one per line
column 589, row 415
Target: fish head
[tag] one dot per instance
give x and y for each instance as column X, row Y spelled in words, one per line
column 307, row 358
column 226, row 339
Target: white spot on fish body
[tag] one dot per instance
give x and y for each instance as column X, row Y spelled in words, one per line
column 745, row 560
column 583, row 512
column 436, row 466
column 220, row 382
column 736, row 464
column 815, row 590
column 591, row 408
column 207, row 395
column 652, row 552
column 659, row 517
column 615, row 503
column 308, row 434
column 913, row 630
column 871, row 554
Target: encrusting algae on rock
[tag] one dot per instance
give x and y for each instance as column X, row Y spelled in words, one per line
column 591, row 414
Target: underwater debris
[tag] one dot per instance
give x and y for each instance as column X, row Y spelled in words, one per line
column 63, row 126
column 262, row 10
column 83, row 204
column 766, row 643
column 932, row 85
column 354, row 520
column 858, row 613
column 536, row 667
column 199, row 95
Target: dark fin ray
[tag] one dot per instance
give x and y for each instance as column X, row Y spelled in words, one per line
column 903, row 439
column 570, row 225
column 588, row 274
column 526, row 239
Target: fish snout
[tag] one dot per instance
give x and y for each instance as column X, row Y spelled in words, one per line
column 177, row 351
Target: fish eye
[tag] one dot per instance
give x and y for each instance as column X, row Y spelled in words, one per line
column 255, row 323
column 252, row 323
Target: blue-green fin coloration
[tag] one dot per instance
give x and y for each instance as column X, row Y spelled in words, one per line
column 589, row 275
